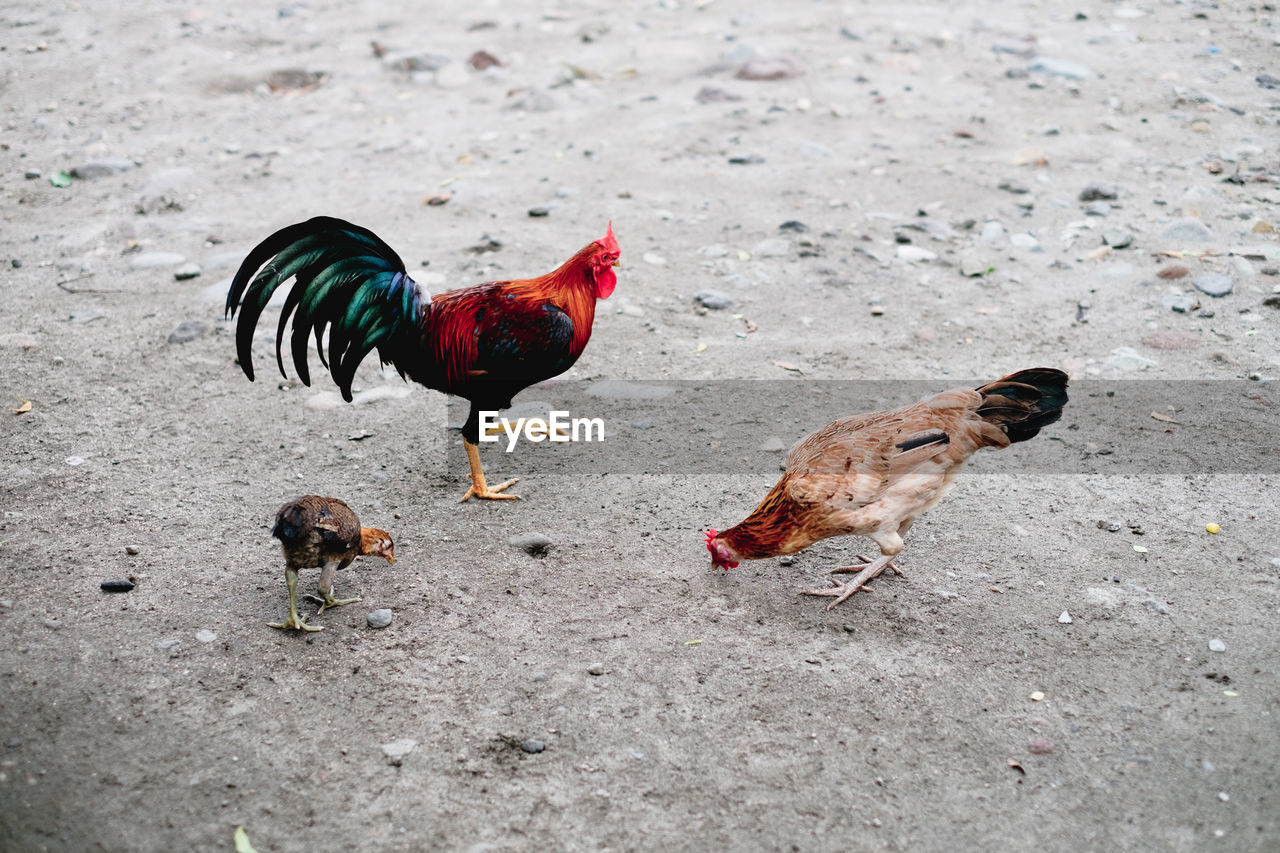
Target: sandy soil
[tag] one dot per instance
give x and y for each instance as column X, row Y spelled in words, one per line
column 951, row 709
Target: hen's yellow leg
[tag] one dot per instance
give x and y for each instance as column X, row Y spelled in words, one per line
column 326, row 598
column 294, row 621
column 480, row 488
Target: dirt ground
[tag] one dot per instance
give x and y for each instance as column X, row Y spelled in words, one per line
column 934, row 156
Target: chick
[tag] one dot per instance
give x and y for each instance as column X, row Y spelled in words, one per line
column 324, row 533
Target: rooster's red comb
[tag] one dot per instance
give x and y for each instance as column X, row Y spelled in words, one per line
column 609, row 242
column 711, row 535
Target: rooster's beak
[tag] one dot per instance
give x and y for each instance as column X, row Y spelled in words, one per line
column 618, row 264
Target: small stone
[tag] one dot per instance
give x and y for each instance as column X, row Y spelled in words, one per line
column 1129, row 359
column 653, row 259
column 537, row 212
column 535, row 544
column 1036, row 696
column 539, row 677
column 793, row 226
column 1097, row 208
column 379, row 618
column 1187, row 231
column 102, row 168
column 482, row 59
column 971, row 264
column 165, row 645
column 915, row 254
column 414, row 61
column 1040, row 746
column 717, row 94
column 132, row 550
column 768, row 68
column 1173, row 271
column 1181, row 302
column 774, row 247
column 1170, row 341
column 1110, row 526
column 1224, row 796
column 787, row 560
column 1100, row 192
column 122, row 585
column 187, row 271
column 398, row 750
column 946, row 594
column 1065, row 618
column 992, row 232
column 773, row 444
column 1213, row 284
column 714, row 300
column 1117, row 238
column 204, row 635
column 73, row 461
column 187, row 331
column 596, row 669
column 16, row 263
column 31, row 174
column 1060, row 68
column 1011, row 186
column 1216, row 645
column 532, row 746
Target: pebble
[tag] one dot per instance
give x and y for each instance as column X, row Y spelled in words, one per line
column 787, row 560
column 1216, row 645
column 774, row 247
column 539, row 677
column 1172, row 271
column 1186, row 231
column 187, row 331
column 1065, row 618
column 379, row 618
column 532, row 746
column 74, row 460
column 102, row 168
column 165, row 645
column 132, row 550
column 1128, row 359
column 1214, row 284
column 992, row 232
column 717, row 94
column 773, row 444
column 972, row 263
column 122, row 585
column 1181, row 302
column 1040, row 746
column 187, row 271
column 1025, row 241
column 1100, row 192
column 914, row 254
column 1117, row 238
column 768, row 68
column 1097, row 208
column 1060, row 68
column 715, row 300
column 537, row 212
column 596, row 669
column 1012, row 186
column 151, row 260
column 398, row 750
column 654, row 259
column 414, row 61
column 52, row 624
column 204, row 635
column 715, row 250
column 535, row 544
column 793, row 226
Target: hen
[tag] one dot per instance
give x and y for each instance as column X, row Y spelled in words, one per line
column 484, row 343
column 874, row 475
column 324, row 533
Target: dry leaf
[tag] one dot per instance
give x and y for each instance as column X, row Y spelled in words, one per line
column 786, row 365
column 24, row 408
column 1014, row 765
column 1165, row 419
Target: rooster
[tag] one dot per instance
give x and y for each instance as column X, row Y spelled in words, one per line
column 874, row 475
column 324, row 533
column 485, row 343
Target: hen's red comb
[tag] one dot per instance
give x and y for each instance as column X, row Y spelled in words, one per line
column 711, row 535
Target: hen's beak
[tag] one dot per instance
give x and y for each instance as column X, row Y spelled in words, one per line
column 617, row 263
column 391, row 561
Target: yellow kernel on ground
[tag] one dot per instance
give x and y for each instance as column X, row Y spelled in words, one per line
column 1212, row 527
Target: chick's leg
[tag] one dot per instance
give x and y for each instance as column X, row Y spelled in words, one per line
column 294, row 621
column 480, row 488
column 326, row 598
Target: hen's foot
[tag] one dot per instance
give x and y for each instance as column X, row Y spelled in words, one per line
column 865, row 562
column 296, row 623
column 842, row 591
column 486, row 492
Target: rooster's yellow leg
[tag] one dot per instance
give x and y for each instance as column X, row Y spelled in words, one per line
column 479, row 488
column 326, row 598
column 294, row 621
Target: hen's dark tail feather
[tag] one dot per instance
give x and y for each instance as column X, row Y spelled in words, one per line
column 1025, row 402
column 347, row 279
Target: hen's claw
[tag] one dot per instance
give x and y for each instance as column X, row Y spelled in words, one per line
column 295, row 622
column 327, row 600
column 865, row 572
column 485, row 492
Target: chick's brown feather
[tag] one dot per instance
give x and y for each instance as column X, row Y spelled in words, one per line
column 315, row 531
